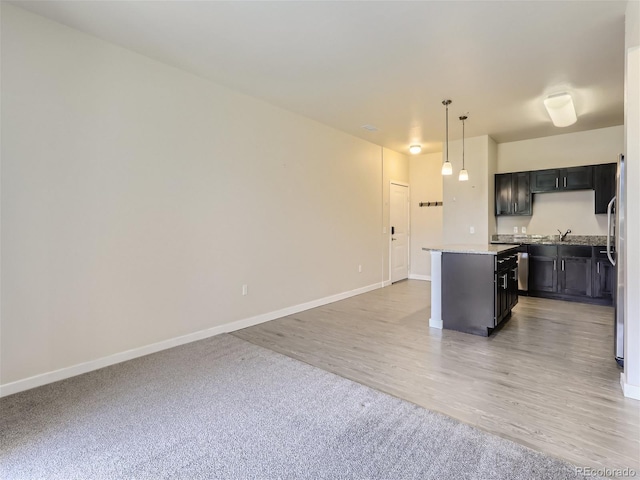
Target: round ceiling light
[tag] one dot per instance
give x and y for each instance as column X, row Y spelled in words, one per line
column 415, row 149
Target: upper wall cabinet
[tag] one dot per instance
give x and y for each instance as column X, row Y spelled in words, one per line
column 513, row 195
column 604, row 183
column 514, row 190
column 562, row 179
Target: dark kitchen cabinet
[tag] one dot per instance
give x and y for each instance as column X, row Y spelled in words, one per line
column 571, row 272
column 513, row 195
column 562, row 179
column 506, row 285
column 603, row 275
column 543, row 274
column 574, row 273
column 478, row 292
column 577, row 178
column 545, row 181
column 604, row 184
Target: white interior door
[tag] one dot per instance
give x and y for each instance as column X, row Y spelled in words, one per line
column 399, row 222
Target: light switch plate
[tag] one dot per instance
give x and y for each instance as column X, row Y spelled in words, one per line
column 472, row 229
column 524, row 229
column 515, row 229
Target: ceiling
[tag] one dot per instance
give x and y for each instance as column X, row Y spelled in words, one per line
column 386, row 63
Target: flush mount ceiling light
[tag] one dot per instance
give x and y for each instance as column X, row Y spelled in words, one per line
column 464, row 175
column 447, row 169
column 561, row 110
column 415, row 149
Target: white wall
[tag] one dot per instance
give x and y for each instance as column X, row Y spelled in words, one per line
column 137, row 199
column 467, row 204
column 426, row 222
column 631, row 378
column 551, row 211
column 395, row 168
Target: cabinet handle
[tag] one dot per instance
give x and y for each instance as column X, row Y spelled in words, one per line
column 515, row 207
column 563, row 265
column 554, row 264
column 504, row 281
column 598, row 266
column 565, row 182
column 515, row 273
column 556, row 182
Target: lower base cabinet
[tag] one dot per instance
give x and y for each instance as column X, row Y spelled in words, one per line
column 568, row 272
column 603, row 281
column 478, row 291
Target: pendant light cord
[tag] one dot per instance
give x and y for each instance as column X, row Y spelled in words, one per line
column 447, row 132
column 463, row 144
column 446, row 103
column 463, row 118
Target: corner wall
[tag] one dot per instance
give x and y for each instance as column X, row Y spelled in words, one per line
column 466, row 204
column 426, row 222
column 137, row 199
column 631, row 378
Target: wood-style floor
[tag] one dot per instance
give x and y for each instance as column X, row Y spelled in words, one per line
column 547, row 379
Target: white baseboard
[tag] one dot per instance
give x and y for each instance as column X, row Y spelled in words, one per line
column 386, row 283
column 435, row 323
column 628, row 390
column 415, row 276
column 72, row 371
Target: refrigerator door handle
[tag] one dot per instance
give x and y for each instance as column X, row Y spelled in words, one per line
column 609, row 224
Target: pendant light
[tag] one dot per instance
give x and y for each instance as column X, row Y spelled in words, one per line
column 447, row 169
column 464, row 175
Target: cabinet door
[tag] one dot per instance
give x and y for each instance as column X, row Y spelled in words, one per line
column 545, row 181
column 577, row 178
column 604, row 183
column 513, row 287
column 503, row 194
column 502, row 295
column 542, row 268
column 575, row 276
column 521, row 193
column 603, row 281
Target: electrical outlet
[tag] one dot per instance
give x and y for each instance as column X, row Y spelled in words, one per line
column 359, row 268
column 245, row 290
column 384, row 229
column 524, row 229
column 472, row 229
column 515, row 229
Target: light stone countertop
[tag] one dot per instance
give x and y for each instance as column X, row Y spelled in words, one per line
column 482, row 249
column 522, row 239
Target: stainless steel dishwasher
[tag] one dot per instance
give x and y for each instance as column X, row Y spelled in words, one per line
column 523, row 270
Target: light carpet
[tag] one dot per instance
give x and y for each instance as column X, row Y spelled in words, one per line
column 225, row 408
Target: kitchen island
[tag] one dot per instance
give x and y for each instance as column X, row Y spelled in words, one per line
column 473, row 287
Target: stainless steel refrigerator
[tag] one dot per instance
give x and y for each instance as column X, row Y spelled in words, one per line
column 616, row 234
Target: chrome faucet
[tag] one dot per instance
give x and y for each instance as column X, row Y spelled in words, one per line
column 564, row 235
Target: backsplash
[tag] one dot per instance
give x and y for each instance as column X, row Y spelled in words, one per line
column 590, row 240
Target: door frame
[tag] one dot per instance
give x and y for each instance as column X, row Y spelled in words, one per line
column 401, row 184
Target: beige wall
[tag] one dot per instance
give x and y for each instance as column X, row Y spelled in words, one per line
column 552, row 211
column 632, row 154
column 467, row 204
column 567, row 150
column 395, row 168
column 137, row 199
column 426, row 222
